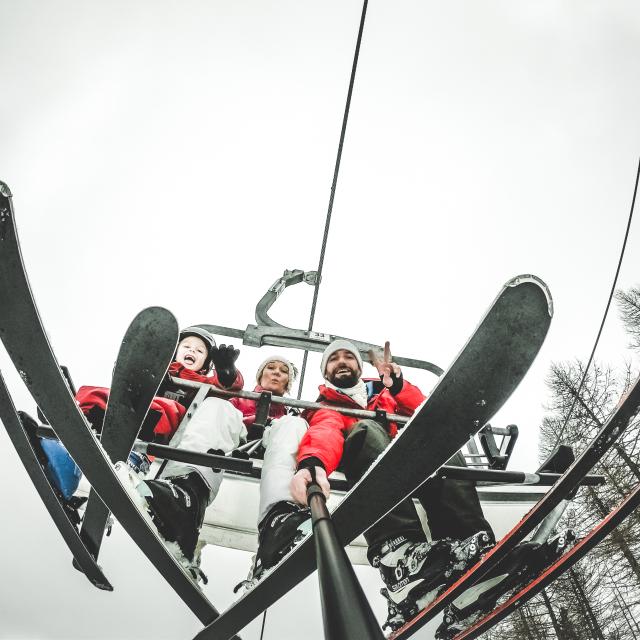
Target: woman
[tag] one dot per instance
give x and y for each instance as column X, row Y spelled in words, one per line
column 280, row 440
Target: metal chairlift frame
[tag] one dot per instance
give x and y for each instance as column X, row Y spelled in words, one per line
column 268, row 332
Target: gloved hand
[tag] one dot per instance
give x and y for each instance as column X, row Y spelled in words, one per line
column 224, row 357
column 390, row 372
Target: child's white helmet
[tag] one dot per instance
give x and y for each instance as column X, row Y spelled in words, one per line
column 205, row 336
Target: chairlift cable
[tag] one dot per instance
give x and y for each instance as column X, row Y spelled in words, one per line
column 606, row 311
column 264, row 619
column 327, row 223
column 333, row 190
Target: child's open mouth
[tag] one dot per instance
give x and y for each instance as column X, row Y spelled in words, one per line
column 190, row 359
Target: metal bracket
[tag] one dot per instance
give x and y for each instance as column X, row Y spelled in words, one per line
column 498, row 457
column 262, row 416
column 288, row 278
column 311, row 277
column 381, row 417
column 176, row 396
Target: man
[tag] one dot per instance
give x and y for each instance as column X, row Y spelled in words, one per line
column 412, row 568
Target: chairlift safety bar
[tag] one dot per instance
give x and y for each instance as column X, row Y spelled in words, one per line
column 290, row 402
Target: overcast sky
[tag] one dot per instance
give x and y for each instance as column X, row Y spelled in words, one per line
column 181, row 154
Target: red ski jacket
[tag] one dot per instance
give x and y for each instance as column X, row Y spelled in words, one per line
column 248, row 408
column 327, row 429
column 171, row 411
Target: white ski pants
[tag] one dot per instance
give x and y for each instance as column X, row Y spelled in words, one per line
column 216, row 424
column 281, row 442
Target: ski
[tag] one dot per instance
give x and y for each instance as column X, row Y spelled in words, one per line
column 480, row 380
column 47, row 492
column 143, row 359
column 26, row 342
column 617, row 422
column 564, row 563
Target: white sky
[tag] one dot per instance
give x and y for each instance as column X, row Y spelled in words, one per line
column 181, row 154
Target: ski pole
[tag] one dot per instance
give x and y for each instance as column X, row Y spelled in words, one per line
column 346, row 612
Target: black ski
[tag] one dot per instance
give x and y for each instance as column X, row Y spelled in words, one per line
column 26, row 342
column 627, row 408
column 480, row 380
column 564, row 563
column 145, row 354
column 60, row 514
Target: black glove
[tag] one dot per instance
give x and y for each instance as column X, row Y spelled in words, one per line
column 309, row 463
column 397, row 383
column 224, row 358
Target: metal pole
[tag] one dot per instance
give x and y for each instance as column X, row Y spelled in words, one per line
column 346, row 613
column 252, row 467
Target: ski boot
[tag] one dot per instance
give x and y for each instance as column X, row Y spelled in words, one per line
column 139, row 463
column 177, row 505
column 525, row 563
column 416, row 573
column 285, row 526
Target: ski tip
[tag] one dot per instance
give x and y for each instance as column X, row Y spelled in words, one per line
column 155, row 310
column 103, row 586
column 158, row 316
column 4, row 189
column 100, row 581
column 539, row 282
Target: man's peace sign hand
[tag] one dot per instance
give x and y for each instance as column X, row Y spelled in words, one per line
column 386, row 368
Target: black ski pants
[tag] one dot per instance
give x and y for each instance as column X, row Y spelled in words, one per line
column 452, row 506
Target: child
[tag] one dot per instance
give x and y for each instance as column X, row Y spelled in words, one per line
column 176, row 502
column 194, row 359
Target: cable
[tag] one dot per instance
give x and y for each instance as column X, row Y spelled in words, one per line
column 264, row 619
column 606, row 311
column 334, row 182
column 327, row 223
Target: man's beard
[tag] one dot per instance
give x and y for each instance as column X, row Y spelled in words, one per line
column 346, row 382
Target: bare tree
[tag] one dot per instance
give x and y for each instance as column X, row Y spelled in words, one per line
column 599, row 598
column 629, row 309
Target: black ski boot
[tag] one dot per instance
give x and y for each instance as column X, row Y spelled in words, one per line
column 280, row 530
column 415, row 573
column 525, row 563
column 177, row 507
